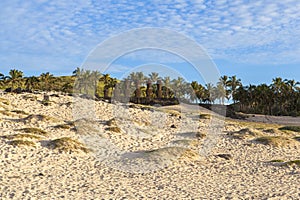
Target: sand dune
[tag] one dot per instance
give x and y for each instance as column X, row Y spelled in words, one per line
column 96, row 150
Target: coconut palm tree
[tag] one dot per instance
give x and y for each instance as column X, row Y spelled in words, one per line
column 46, row 81
column 234, row 84
column 14, row 78
column 154, row 77
column 32, row 83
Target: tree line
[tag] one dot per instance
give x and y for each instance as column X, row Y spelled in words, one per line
column 281, row 97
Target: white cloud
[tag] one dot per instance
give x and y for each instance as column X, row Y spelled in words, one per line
column 68, row 29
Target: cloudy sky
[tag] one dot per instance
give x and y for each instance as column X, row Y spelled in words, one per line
column 256, row 40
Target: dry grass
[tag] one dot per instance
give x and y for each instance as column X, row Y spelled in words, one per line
column 111, row 122
column 4, row 101
column 21, row 136
column 67, row 144
column 245, row 133
column 39, row 117
column 113, row 129
column 297, row 138
column 63, row 126
column 277, row 141
column 286, row 163
column 21, row 112
column 185, row 142
column 30, row 97
column 35, row 131
column 290, row 128
column 7, row 113
column 205, row 116
column 22, row 143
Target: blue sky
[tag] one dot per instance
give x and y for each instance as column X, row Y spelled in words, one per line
column 256, row 40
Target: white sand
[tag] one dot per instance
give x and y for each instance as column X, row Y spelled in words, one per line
column 44, row 173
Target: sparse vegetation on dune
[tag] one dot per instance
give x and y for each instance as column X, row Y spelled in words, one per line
column 286, row 163
column 63, row 126
column 67, row 144
column 245, row 133
column 4, row 101
column 185, row 142
column 205, row 116
column 113, row 129
column 21, row 112
column 22, row 143
column 31, row 130
column 38, row 117
column 111, row 122
column 22, row 136
column 277, row 141
column 290, row 128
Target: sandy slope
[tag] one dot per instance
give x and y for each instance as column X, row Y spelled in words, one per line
column 176, row 170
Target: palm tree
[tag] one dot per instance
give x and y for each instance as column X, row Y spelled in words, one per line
column 2, row 76
column 234, row 84
column 46, row 80
column 14, row 78
column 154, row 76
column 77, row 71
column 32, row 83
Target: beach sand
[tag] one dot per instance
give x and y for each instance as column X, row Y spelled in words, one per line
column 135, row 152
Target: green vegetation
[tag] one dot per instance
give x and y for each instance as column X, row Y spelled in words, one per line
column 35, row 131
column 281, row 97
column 290, row 128
column 67, row 144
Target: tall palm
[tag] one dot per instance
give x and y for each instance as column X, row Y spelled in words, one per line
column 32, row 83
column 154, row 76
column 14, row 78
column 234, row 84
column 46, row 80
column 167, row 83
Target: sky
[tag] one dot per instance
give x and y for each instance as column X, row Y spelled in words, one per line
column 255, row 40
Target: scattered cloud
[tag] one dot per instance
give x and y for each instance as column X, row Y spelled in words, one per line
column 49, row 33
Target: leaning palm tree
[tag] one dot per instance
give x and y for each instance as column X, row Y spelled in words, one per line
column 14, row 78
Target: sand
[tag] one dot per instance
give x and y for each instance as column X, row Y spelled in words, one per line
column 155, row 154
